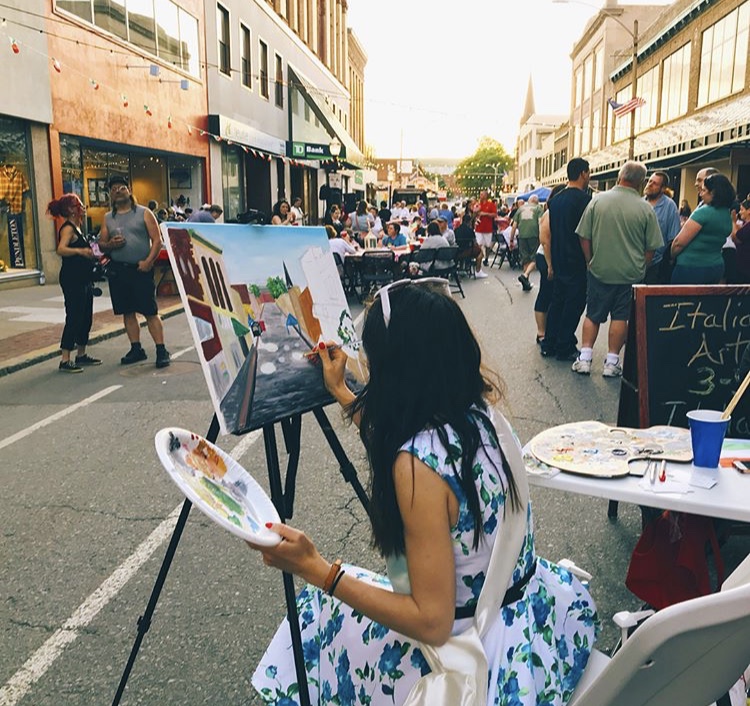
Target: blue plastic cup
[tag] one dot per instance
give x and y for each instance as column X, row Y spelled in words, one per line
column 707, row 431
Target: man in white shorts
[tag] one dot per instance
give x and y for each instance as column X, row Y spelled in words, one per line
column 486, row 213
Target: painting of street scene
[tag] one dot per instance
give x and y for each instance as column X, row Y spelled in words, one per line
column 258, row 299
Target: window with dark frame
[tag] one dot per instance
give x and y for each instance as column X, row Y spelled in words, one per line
column 247, row 65
column 263, row 69
column 222, row 33
column 279, row 86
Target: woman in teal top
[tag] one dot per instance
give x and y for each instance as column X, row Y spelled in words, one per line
column 697, row 247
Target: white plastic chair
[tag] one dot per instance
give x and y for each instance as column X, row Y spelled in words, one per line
column 689, row 654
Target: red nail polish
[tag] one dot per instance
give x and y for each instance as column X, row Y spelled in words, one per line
column 322, row 346
column 269, row 525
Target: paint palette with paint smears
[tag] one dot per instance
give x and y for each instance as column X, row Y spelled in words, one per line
column 217, row 485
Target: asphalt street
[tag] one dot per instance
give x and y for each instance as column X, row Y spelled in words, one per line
column 87, row 514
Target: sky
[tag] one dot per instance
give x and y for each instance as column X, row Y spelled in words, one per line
column 440, row 75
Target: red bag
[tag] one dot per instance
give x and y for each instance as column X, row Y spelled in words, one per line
column 669, row 562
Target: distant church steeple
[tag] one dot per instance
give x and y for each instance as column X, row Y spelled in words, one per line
column 528, row 108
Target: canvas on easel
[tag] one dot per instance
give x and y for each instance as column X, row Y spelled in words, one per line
column 258, row 298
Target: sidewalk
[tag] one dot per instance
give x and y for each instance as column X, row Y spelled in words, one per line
column 31, row 323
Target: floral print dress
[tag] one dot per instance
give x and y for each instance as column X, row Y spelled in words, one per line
column 537, row 648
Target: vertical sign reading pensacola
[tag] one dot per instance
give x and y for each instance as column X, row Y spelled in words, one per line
column 15, row 240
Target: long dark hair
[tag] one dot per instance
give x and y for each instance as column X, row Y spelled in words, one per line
column 451, row 389
column 721, row 189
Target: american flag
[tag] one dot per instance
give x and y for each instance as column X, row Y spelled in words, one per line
column 621, row 109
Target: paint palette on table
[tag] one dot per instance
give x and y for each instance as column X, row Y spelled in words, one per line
column 594, row 449
column 217, row 485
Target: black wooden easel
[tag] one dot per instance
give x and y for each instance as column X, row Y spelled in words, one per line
column 283, row 500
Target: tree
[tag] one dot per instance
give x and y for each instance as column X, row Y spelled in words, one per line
column 484, row 169
column 276, row 286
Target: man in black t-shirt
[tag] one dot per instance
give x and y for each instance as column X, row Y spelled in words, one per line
column 384, row 213
column 566, row 263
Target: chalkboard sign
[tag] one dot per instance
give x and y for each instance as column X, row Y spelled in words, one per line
column 683, row 351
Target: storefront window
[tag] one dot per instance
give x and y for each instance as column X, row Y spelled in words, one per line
column 18, row 249
column 170, row 180
column 72, row 169
column 232, row 183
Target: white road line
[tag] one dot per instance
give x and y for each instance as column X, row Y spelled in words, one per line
column 37, row 665
column 57, row 415
column 174, row 356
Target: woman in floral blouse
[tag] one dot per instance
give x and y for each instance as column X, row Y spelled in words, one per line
column 440, row 483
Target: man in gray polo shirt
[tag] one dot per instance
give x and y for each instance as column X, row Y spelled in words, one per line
column 130, row 234
column 619, row 233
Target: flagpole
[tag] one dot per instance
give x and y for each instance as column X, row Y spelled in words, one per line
column 634, row 74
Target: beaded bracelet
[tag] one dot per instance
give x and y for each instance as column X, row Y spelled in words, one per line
column 332, row 574
column 336, row 582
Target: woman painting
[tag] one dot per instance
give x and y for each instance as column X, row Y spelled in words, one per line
column 697, row 247
column 443, row 492
column 75, row 280
column 282, row 214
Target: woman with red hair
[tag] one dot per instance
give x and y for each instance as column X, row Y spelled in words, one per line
column 75, row 279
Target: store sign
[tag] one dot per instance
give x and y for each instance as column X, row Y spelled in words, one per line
column 312, row 150
column 243, row 134
column 359, row 177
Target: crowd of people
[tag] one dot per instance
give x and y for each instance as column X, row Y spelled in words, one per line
column 595, row 249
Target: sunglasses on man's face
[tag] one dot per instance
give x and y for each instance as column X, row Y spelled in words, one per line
column 437, row 284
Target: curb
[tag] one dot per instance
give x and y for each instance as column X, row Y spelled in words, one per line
column 13, row 365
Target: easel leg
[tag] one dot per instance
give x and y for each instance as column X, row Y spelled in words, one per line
column 144, row 622
column 277, row 496
column 346, row 466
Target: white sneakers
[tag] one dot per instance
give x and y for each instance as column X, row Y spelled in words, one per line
column 612, row 370
column 583, row 367
column 481, row 274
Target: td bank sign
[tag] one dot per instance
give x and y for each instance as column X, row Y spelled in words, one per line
column 311, row 150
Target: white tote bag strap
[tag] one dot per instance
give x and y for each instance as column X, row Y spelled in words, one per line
column 459, row 667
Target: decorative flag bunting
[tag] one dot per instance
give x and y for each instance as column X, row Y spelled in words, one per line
column 94, row 84
column 169, row 122
column 14, row 45
column 621, row 109
column 124, row 99
column 190, row 130
column 56, row 65
column 147, row 110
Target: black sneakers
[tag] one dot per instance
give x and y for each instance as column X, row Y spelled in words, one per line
column 134, row 355
column 86, row 359
column 162, row 357
column 524, row 280
column 68, row 366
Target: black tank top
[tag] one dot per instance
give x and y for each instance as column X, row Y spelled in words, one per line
column 76, row 266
